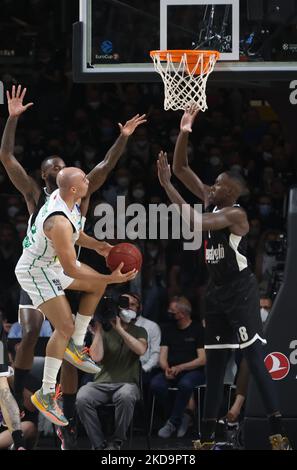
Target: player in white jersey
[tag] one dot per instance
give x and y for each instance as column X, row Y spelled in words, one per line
column 30, row 318
column 53, row 235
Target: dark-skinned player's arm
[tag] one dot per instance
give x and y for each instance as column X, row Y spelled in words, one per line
column 102, row 248
column 17, row 174
column 98, row 175
column 59, row 230
column 180, row 159
column 232, row 217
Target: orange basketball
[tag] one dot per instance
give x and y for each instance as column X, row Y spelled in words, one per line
column 124, row 253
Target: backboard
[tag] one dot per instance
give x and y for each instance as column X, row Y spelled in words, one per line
column 256, row 38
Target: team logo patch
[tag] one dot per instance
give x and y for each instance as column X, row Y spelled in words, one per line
column 57, row 284
column 278, row 365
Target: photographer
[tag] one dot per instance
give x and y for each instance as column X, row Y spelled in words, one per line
column 118, row 349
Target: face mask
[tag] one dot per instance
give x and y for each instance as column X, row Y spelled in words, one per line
column 21, row 227
column 138, row 193
column 123, row 181
column 215, row 161
column 12, row 211
column 18, row 149
column 170, row 316
column 264, row 314
column 127, row 315
column 264, row 209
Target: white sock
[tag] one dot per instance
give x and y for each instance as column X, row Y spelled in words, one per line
column 50, row 372
column 80, row 328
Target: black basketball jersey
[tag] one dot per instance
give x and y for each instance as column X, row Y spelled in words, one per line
column 44, row 195
column 225, row 254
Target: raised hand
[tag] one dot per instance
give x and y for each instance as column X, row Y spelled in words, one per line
column 188, row 118
column 131, row 125
column 15, row 101
column 164, row 171
column 118, row 277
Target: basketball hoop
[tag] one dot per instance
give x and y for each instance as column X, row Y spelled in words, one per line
column 184, row 73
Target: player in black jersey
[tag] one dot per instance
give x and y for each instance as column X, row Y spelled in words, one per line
column 31, row 319
column 232, row 302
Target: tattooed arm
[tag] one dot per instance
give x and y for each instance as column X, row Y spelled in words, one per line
column 9, row 407
column 16, row 173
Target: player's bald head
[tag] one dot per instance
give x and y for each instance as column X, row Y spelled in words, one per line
column 70, row 177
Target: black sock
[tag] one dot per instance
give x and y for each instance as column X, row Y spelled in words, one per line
column 18, row 439
column 69, row 405
column 208, row 427
column 275, row 424
column 20, row 376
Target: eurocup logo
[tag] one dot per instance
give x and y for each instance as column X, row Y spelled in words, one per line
column 106, row 47
column 278, row 365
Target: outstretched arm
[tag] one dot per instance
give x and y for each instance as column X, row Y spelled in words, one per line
column 17, row 174
column 98, row 175
column 180, row 160
column 232, row 217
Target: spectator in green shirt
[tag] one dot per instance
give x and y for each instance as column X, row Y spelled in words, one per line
column 118, row 351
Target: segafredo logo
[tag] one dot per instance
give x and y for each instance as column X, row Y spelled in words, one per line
column 278, row 365
column 214, row 255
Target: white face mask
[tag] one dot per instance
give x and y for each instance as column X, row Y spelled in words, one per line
column 127, row 315
column 264, row 314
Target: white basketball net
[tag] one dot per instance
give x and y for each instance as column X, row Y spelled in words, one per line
column 184, row 88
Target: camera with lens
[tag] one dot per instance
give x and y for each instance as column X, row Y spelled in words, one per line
column 109, row 307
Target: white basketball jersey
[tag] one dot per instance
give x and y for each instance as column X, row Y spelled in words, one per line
column 38, row 249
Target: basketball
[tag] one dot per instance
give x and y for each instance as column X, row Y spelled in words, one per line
column 124, row 253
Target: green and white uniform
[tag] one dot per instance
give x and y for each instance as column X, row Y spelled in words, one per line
column 39, row 271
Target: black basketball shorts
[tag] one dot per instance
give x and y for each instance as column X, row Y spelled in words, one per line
column 233, row 314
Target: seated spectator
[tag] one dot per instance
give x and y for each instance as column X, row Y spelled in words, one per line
column 149, row 360
column 182, row 358
column 118, row 350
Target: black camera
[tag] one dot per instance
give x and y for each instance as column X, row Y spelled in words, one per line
column 109, row 307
